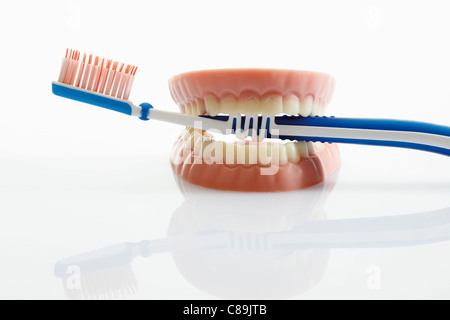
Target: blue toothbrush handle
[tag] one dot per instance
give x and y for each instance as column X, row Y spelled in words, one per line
column 381, row 132
column 103, row 101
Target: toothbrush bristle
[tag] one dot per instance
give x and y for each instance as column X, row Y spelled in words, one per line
column 80, row 71
column 96, row 74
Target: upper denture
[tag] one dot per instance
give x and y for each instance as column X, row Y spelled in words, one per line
column 268, row 91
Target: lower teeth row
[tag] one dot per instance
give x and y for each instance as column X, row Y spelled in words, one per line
column 246, row 152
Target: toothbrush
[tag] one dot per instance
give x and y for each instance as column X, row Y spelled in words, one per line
column 107, row 84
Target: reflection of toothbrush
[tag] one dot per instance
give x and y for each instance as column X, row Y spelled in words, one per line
column 107, row 272
column 396, row 231
column 106, row 84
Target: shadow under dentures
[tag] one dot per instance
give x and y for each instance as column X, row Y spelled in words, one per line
column 268, row 166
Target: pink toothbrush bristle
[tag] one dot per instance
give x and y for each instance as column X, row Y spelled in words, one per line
column 86, row 73
column 111, row 77
column 123, row 82
column 97, row 74
column 80, row 71
column 104, row 76
column 93, row 75
column 117, row 80
column 129, row 82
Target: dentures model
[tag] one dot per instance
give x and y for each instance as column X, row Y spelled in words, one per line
column 213, row 161
column 247, row 129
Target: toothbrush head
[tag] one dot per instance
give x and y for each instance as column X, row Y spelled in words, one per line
column 98, row 81
column 103, row 273
column 102, row 285
column 95, row 74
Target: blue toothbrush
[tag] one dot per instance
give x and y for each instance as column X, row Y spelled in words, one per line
column 108, row 84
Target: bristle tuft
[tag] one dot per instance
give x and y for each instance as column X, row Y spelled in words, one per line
column 97, row 74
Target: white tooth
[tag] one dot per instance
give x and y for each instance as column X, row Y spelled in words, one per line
column 240, row 154
column 201, row 109
column 196, row 133
column 252, row 154
column 249, row 103
column 311, row 148
column 189, row 138
column 317, row 110
column 190, row 130
column 282, row 154
column 198, row 145
column 319, row 146
column 302, row 149
column 291, row 105
column 230, row 153
column 182, row 108
column 263, row 154
column 228, row 104
column 185, row 108
column 191, row 142
column 272, row 154
column 247, row 155
column 271, row 104
column 321, row 110
column 219, row 152
column 292, row 152
column 192, row 109
column 208, row 151
column 186, row 135
column 212, row 105
column 306, row 106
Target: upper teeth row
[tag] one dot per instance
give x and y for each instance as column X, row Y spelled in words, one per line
column 271, row 104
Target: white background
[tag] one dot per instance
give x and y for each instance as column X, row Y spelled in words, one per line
column 75, row 178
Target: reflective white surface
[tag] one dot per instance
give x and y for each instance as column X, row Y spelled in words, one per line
column 75, row 178
column 356, row 236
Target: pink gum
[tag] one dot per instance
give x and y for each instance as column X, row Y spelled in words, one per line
column 306, row 173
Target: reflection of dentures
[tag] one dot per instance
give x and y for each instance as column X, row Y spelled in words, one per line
column 266, row 166
column 242, row 226
column 254, row 212
column 250, row 265
column 250, row 246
